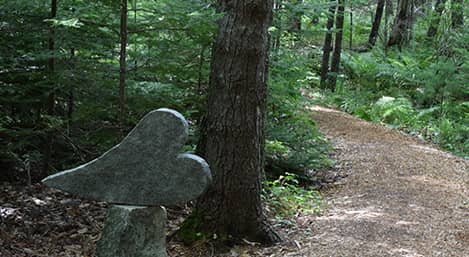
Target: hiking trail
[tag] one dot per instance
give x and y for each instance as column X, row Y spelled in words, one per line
column 402, row 197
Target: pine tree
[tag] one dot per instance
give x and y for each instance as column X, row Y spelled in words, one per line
column 233, row 129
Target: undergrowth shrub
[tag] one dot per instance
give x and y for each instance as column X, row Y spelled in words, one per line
column 418, row 90
column 293, row 143
column 286, row 198
column 394, row 111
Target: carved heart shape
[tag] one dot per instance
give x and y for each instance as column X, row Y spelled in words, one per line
column 144, row 169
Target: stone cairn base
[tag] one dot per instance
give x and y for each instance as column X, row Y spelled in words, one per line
column 133, row 231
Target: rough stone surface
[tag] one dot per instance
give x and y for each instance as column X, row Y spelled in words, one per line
column 144, row 169
column 132, row 231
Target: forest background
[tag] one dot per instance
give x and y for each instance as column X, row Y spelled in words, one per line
column 75, row 76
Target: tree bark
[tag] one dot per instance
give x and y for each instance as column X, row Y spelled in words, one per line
column 71, row 93
column 232, row 132
column 457, row 13
column 402, row 27
column 351, row 27
column 51, row 42
column 327, row 48
column 48, row 140
column 436, row 16
column 376, row 23
column 339, row 26
column 51, row 62
column 388, row 13
column 122, row 62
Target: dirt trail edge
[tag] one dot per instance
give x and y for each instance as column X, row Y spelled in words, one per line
column 401, row 197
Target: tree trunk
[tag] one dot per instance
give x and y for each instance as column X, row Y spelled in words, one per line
column 71, row 90
column 402, row 27
column 327, row 48
column 71, row 93
column 351, row 27
column 51, row 64
column 376, row 22
column 339, row 26
column 388, row 13
column 436, row 16
column 122, row 63
column 233, row 129
column 48, row 141
column 457, row 13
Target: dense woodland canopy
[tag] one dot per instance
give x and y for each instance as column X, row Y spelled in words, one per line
column 75, row 76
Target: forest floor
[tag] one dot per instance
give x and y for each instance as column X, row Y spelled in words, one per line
column 399, row 197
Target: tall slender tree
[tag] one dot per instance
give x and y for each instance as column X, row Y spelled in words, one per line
column 350, row 42
column 387, row 14
column 376, row 23
column 71, row 90
column 435, row 19
column 48, row 140
column 402, row 27
column 122, row 60
column 51, row 62
column 327, row 48
column 233, row 129
column 339, row 26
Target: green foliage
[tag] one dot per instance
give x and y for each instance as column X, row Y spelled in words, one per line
column 168, row 53
column 168, row 65
column 392, row 110
column 191, row 230
column 293, row 144
column 422, row 91
column 286, row 197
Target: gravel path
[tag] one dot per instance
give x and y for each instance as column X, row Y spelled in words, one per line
column 401, row 197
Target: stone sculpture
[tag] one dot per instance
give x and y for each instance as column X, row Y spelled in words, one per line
column 138, row 175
